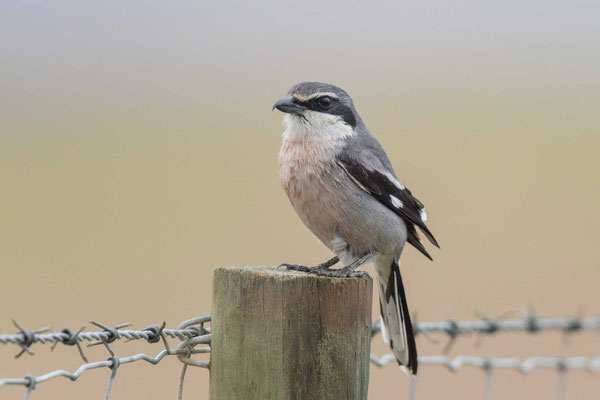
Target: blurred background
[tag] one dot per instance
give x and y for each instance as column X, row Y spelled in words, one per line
column 138, row 152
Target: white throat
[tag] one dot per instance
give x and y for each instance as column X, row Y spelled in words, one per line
column 314, row 126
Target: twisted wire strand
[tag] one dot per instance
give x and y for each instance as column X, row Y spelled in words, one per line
column 101, row 364
column 531, row 324
column 488, row 326
column 591, row 365
column 53, row 337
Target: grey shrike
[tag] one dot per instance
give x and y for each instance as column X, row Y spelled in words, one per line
column 343, row 187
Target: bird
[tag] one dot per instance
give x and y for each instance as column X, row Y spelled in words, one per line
column 342, row 186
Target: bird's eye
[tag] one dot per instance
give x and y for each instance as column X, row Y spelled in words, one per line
column 325, row 101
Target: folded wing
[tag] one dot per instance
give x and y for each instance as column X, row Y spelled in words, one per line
column 381, row 183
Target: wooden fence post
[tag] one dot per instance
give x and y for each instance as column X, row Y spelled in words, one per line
column 280, row 334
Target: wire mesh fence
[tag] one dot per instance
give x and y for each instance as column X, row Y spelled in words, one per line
column 529, row 324
column 195, row 338
column 191, row 333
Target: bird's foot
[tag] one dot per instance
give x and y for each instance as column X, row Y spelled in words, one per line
column 296, row 267
column 348, row 271
column 324, row 266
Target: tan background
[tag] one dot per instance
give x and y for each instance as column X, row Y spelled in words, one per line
column 138, row 152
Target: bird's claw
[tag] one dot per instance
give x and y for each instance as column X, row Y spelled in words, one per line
column 324, row 270
column 295, row 267
column 361, row 274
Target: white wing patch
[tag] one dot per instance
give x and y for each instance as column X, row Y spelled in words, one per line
column 384, row 333
column 396, row 202
column 395, row 181
column 423, row 214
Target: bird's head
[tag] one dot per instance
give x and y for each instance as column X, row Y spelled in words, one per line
column 316, row 109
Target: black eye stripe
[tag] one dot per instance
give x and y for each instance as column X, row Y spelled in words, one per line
column 336, row 107
column 315, row 103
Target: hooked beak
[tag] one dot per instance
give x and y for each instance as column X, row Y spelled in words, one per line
column 287, row 105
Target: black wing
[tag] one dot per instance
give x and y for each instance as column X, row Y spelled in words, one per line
column 385, row 188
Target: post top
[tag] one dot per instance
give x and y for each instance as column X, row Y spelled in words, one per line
column 281, row 273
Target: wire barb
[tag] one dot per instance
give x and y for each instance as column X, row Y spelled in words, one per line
column 112, row 335
column 27, row 338
column 71, row 339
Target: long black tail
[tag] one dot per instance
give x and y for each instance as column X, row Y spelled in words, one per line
column 396, row 319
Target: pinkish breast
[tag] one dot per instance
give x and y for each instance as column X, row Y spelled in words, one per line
column 301, row 166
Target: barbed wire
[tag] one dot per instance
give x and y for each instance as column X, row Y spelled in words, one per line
column 530, row 324
column 191, row 332
column 152, row 334
column 485, row 325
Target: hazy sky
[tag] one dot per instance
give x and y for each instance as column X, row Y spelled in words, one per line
column 90, row 57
